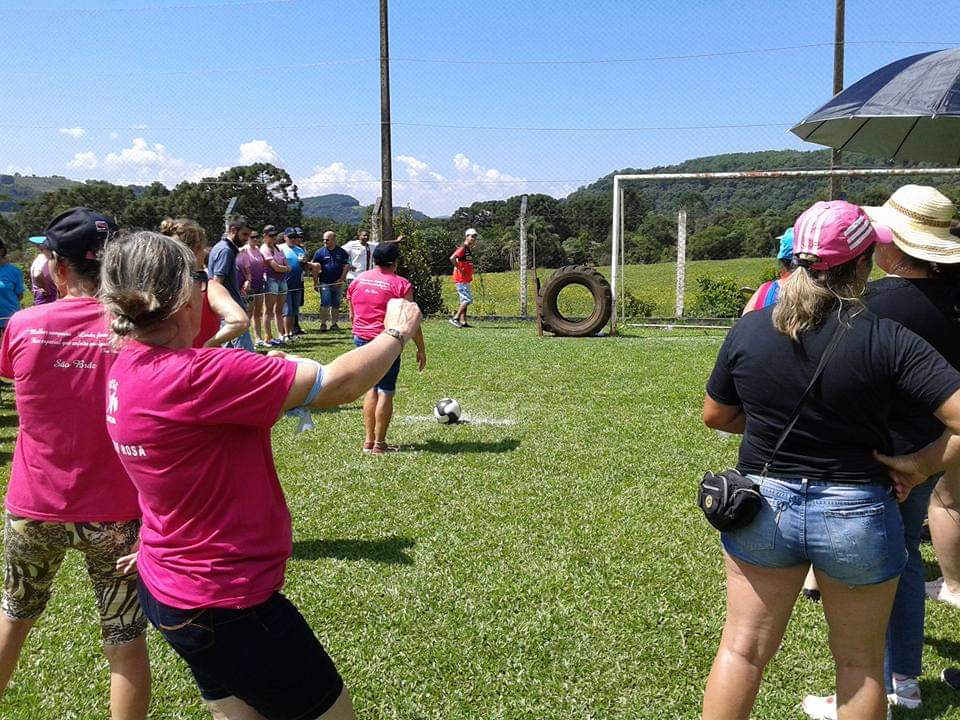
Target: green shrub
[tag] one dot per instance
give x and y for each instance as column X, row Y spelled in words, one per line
column 636, row 307
column 718, row 296
column 415, row 266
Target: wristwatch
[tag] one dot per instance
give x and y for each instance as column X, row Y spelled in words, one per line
column 394, row 333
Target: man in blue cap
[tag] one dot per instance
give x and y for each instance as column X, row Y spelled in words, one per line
column 768, row 293
column 295, row 255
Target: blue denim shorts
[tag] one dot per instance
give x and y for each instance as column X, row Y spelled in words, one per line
column 852, row 532
column 275, row 287
column 464, row 293
column 388, row 383
column 330, row 295
column 266, row 655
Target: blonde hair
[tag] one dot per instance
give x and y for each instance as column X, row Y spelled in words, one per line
column 808, row 295
column 186, row 230
column 145, row 278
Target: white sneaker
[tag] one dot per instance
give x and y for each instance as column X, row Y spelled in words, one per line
column 906, row 693
column 824, row 707
column 938, row 590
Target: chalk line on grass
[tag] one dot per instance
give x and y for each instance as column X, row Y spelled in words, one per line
column 469, row 420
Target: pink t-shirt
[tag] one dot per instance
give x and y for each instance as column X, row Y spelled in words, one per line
column 64, row 466
column 369, row 294
column 192, row 427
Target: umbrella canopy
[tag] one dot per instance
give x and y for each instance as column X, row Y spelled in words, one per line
column 907, row 110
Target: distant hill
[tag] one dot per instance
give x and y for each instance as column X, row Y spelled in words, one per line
column 774, row 195
column 17, row 189
column 344, row 208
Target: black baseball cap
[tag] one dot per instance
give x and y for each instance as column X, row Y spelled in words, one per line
column 386, row 253
column 78, row 233
column 270, row 230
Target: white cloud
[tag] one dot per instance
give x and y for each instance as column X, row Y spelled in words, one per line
column 84, row 161
column 421, row 186
column 75, row 132
column 114, row 135
column 334, row 178
column 257, row 151
column 141, row 154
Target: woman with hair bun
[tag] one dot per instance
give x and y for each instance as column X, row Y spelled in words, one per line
column 222, row 319
column 215, row 540
column 68, row 489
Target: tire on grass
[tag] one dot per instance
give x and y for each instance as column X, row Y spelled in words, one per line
column 551, row 318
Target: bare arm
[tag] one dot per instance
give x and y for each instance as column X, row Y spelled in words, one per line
column 352, row 374
column 418, row 340
column 908, row 471
column 728, row 418
column 235, row 320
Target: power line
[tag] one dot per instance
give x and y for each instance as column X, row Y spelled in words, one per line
column 339, row 62
column 438, row 126
column 655, row 58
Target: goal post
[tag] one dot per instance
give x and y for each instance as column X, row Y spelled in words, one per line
column 620, row 181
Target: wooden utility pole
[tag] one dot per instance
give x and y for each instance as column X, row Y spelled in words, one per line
column 838, row 41
column 386, row 160
column 523, row 255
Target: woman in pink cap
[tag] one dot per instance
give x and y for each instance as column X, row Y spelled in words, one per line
column 827, row 500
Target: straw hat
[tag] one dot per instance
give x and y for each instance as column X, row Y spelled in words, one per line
column 919, row 217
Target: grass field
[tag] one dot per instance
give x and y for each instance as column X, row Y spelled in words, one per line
column 546, row 561
column 498, row 293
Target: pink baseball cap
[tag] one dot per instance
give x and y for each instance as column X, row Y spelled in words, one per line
column 836, row 232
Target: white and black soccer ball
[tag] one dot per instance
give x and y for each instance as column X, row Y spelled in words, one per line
column 447, row 411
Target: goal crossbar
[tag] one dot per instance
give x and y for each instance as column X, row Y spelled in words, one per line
column 616, row 235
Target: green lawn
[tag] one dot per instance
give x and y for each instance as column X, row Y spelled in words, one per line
column 547, row 563
column 498, row 293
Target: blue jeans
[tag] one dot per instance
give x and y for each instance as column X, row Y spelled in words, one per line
column 292, row 303
column 266, row 655
column 852, row 532
column 242, row 342
column 905, row 633
column 330, row 295
column 388, row 383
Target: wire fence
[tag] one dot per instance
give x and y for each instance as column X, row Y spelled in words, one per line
column 489, row 103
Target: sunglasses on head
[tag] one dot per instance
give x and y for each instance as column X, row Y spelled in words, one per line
column 199, row 276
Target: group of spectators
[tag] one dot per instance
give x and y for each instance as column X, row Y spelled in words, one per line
column 122, row 408
column 846, row 493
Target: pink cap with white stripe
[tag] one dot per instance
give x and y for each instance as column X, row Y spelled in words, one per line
column 835, row 232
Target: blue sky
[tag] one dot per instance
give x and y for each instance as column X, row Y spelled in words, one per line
column 140, row 90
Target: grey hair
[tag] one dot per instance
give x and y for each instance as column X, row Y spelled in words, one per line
column 144, row 279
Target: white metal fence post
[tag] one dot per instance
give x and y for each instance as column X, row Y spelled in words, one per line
column 523, row 256
column 614, row 252
column 681, row 260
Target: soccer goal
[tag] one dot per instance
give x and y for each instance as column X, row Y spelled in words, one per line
column 617, row 254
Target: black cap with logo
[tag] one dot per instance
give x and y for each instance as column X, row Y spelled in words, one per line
column 78, row 233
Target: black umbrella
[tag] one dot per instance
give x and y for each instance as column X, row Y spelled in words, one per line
column 907, row 110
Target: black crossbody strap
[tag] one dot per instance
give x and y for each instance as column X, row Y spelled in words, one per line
column 828, row 351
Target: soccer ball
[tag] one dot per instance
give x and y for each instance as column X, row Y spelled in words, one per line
column 447, row 411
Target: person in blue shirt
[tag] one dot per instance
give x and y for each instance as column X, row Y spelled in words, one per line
column 11, row 288
column 330, row 266
column 295, row 254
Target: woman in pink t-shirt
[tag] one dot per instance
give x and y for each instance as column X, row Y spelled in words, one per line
column 275, row 281
column 192, row 427
column 250, row 273
column 369, row 294
column 67, row 487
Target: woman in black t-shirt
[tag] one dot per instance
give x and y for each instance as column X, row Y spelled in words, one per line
column 827, row 497
column 922, row 292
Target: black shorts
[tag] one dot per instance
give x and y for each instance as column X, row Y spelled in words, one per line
column 266, row 655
